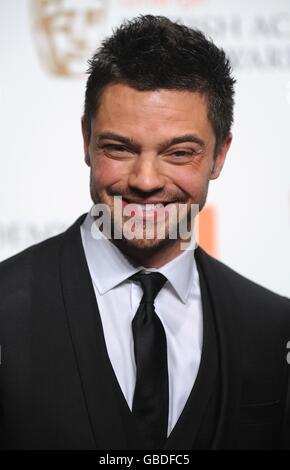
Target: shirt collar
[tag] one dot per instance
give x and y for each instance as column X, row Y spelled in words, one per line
column 109, row 267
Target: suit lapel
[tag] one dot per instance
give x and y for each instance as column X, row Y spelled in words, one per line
column 228, row 328
column 103, row 397
column 185, row 433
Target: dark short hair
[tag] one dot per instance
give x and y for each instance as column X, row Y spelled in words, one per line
column 152, row 52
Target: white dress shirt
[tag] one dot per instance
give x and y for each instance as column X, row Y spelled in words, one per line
column 178, row 305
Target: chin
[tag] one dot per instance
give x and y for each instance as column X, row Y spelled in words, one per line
column 144, row 244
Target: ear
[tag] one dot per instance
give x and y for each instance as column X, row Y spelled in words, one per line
column 220, row 157
column 85, row 142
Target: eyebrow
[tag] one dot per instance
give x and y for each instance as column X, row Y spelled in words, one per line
column 183, row 139
column 116, row 137
column 163, row 146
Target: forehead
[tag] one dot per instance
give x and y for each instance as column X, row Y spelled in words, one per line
column 121, row 105
column 152, row 117
column 123, row 96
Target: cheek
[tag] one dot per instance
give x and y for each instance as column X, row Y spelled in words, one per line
column 106, row 172
column 191, row 182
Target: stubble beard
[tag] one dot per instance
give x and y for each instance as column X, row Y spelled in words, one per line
column 146, row 245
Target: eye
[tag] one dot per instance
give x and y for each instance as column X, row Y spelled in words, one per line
column 116, row 150
column 182, row 153
column 115, row 147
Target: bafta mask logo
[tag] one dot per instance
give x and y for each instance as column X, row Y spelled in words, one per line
column 67, row 32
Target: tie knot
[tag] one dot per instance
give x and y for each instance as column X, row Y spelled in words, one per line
column 151, row 284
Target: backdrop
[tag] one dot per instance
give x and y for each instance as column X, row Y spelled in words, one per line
column 44, row 182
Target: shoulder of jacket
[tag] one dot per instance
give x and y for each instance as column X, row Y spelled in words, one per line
column 36, row 254
column 241, row 286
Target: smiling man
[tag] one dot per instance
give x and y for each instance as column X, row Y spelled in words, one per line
column 152, row 147
column 113, row 335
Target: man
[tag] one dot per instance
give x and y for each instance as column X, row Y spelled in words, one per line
column 112, row 339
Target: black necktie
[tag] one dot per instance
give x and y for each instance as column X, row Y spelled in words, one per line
column 150, row 402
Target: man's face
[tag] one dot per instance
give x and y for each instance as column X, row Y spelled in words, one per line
column 152, row 146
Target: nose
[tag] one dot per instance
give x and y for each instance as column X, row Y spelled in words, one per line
column 145, row 175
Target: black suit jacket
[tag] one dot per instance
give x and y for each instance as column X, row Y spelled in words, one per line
column 58, row 389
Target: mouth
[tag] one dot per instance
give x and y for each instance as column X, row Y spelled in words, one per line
column 146, row 209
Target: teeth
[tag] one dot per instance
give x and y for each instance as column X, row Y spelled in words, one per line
column 149, row 207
